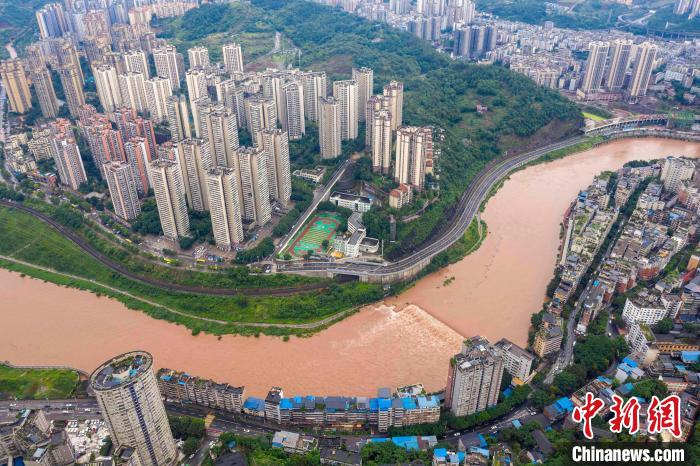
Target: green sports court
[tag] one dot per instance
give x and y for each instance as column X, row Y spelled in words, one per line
column 321, row 227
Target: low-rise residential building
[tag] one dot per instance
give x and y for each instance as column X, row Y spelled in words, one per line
column 400, row 196
column 315, row 175
column 351, row 201
column 180, row 386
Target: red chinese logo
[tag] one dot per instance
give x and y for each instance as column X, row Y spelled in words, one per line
column 587, row 412
column 665, row 415
column 624, row 415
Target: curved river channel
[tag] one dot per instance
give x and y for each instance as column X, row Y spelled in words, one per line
column 405, row 340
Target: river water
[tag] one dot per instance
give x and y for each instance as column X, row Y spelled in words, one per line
column 408, row 339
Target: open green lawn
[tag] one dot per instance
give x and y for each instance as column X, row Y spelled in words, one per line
column 593, row 116
column 25, row 238
column 36, row 384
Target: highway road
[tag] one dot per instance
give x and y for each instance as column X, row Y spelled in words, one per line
column 467, row 208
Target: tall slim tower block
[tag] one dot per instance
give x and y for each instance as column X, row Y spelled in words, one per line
column 128, row 396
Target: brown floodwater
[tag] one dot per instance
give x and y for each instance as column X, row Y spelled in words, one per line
column 409, row 339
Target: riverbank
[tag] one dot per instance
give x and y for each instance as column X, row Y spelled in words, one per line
column 407, row 339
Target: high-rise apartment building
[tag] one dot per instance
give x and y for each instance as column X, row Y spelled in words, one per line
column 329, row 138
column 196, row 89
column 178, row 118
column 394, row 93
column 167, row 60
column 413, row 145
column 128, row 396
column 14, row 80
column 52, row 21
column 365, row 89
column 139, row 155
column 169, row 188
column 275, row 145
column 254, row 184
column 158, row 91
column 107, row 84
column 198, row 57
column 345, row 93
column 474, row 378
column 675, row 171
column 381, row 141
column 72, row 89
column 45, row 93
column 67, row 57
column 195, row 160
column 69, row 165
column 315, row 86
column 294, row 123
column 225, row 209
column 132, row 88
column 233, row 58
column 374, row 103
column 620, row 51
column 222, row 134
column 641, row 72
column 122, row 189
column 516, row 360
column 232, row 98
column 260, row 113
column 595, row 66
column 136, row 61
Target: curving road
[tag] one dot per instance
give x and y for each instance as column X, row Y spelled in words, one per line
column 467, row 208
column 122, row 270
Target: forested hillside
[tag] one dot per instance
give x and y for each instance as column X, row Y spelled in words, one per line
column 438, row 91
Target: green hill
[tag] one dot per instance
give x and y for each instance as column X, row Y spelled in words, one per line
column 438, row 91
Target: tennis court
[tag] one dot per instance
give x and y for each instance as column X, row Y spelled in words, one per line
column 321, row 227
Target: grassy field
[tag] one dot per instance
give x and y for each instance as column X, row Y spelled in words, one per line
column 310, row 238
column 45, row 247
column 36, row 384
column 592, row 116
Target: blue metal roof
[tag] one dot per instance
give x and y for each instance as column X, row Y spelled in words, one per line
column 254, row 404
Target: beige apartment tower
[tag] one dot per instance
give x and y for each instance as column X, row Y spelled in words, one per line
column 107, row 84
column 178, row 118
column 195, row 160
column 276, row 149
column 233, row 58
column 167, row 61
column 127, row 393
column 345, row 93
column 412, row 146
column 641, row 73
column 315, row 86
column 45, row 93
column 14, row 79
column 394, row 93
column 254, row 184
column 198, row 57
column 474, row 378
column 595, row 66
column 122, row 189
column 329, row 127
column 365, row 89
column 158, row 91
column 381, row 141
column 225, row 209
column 261, row 113
column 72, row 88
column 169, row 188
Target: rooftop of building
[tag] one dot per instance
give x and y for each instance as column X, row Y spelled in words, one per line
column 121, row 370
column 350, row 197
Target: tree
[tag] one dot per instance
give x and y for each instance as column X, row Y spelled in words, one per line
column 191, row 446
column 664, row 325
column 325, row 244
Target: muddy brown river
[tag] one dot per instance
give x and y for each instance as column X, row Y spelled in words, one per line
column 408, row 339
